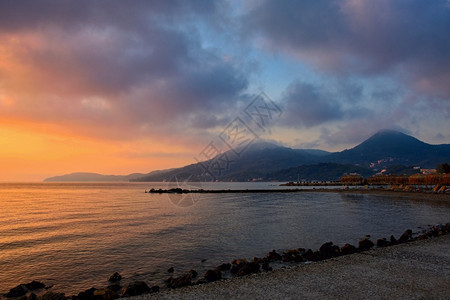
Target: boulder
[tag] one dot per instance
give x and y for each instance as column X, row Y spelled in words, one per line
column 329, row 250
column 106, row 294
column 365, row 245
column 32, row 296
column 223, row 267
column 239, row 261
column 257, row 260
column 181, row 281
column 293, row 255
column 234, row 269
column 383, row 243
column 446, row 228
column 393, row 240
column 23, row 289
column 136, row 288
column 115, row 277
column 115, row 287
column 87, row 294
column 17, row 291
column 311, row 256
column 170, row 270
column 213, row 275
column 348, row 249
column 406, row 236
column 193, row 274
column 273, row 255
column 336, row 251
column 248, row 268
column 54, row 296
column 438, row 229
column 422, row 237
column 35, row 285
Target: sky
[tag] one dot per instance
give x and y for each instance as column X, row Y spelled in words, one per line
column 117, row 87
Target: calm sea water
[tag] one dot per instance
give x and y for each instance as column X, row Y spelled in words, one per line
column 75, row 235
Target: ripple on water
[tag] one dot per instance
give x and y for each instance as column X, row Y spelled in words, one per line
column 76, row 235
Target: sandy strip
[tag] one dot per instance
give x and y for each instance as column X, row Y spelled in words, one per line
column 417, row 270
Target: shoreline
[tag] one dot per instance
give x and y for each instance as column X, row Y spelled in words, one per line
column 418, row 269
column 254, row 277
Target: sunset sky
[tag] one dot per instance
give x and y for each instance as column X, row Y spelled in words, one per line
column 117, row 87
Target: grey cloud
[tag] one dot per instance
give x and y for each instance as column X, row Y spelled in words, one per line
column 309, row 105
column 410, row 37
column 72, row 14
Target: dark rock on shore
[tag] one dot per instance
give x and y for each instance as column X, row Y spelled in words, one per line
column 193, row 273
column 365, row 245
column 213, row 275
column 328, row 250
column 393, row 240
column 17, row 291
column 239, row 261
column 23, row 289
column 242, row 268
column 293, row 255
column 236, row 265
column 53, row 296
column 35, row 285
column 258, row 260
column 224, row 267
column 273, row 255
column 178, row 282
column 86, row 295
column 115, row 287
column 383, row 243
column 115, row 277
column 348, row 249
column 136, row 288
column 310, row 255
column 181, row 281
column 105, row 294
column 422, row 237
column 447, row 228
column 438, row 230
column 406, row 236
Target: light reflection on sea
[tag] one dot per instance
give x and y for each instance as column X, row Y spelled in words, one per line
column 75, row 235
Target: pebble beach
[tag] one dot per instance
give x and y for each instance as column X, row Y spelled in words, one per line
column 415, row 270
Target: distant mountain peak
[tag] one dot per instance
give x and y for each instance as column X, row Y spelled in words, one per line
column 390, row 136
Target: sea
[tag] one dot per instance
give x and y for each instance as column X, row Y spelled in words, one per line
column 73, row 236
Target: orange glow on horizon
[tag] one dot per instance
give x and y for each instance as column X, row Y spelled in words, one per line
column 29, row 153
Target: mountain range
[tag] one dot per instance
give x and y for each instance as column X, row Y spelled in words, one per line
column 267, row 161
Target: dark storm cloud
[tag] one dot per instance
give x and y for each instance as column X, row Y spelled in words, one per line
column 309, row 105
column 408, row 37
column 141, row 64
column 132, row 15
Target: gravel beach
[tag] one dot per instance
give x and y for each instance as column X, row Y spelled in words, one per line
column 416, row 270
